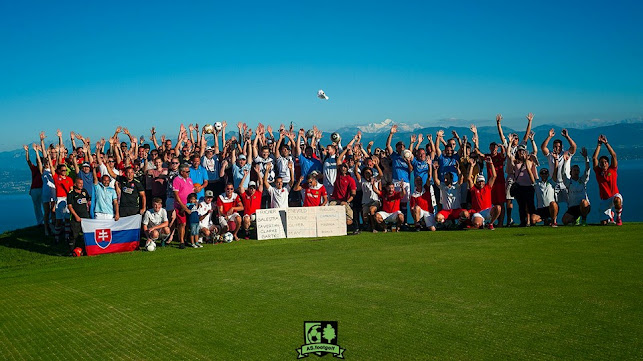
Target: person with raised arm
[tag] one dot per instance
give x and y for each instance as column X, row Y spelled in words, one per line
column 607, row 177
column 343, row 194
column 577, row 198
column 48, row 186
column 422, row 204
column 105, row 198
column 401, row 168
column 450, row 194
column 521, row 167
column 561, row 157
column 546, row 206
column 278, row 195
column 482, row 207
column 251, row 199
column 315, row 194
column 390, row 213
column 35, row 190
column 211, row 162
column 370, row 186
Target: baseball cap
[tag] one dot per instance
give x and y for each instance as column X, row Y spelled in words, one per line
column 242, row 156
column 209, row 149
column 252, row 184
column 480, row 178
column 209, row 194
column 85, row 164
column 522, row 147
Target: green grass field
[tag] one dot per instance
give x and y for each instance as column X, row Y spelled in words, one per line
column 537, row 293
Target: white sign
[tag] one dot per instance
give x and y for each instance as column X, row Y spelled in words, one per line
column 271, row 223
column 302, row 222
column 331, row 221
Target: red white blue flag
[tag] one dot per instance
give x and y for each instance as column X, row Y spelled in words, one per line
column 109, row 236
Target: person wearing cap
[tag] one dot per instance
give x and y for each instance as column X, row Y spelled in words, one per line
column 482, row 209
column 182, row 186
column 401, row 168
column 240, row 166
column 546, row 206
column 450, row 194
column 422, row 204
column 212, row 164
column 207, row 228
column 522, row 169
column 251, row 199
column 307, row 161
column 562, row 158
column 285, row 157
column 577, row 198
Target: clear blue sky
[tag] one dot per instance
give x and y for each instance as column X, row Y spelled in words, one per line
column 89, row 66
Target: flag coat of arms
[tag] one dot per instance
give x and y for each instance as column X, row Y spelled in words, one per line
column 109, row 236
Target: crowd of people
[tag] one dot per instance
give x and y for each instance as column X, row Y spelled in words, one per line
column 192, row 190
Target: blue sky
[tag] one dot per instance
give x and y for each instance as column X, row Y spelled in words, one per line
column 89, row 66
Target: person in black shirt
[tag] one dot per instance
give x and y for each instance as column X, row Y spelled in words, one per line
column 132, row 194
column 79, row 203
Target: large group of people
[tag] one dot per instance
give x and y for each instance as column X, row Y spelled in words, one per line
column 192, row 190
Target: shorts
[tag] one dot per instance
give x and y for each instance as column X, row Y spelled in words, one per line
column 194, row 229
column 509, row 183
column 606, row 206
column 389, row 217
column 498, row 193
column 366, row 207
column 62, row 212
column 560, row 193
column 543, row 212
column 574, row 211
column 407, row 190
column 347, row 208
column 223, row 220
column 181, row 217
column 485, row 214
column 429, row 218
column 103, row 216
column 451, row 214
column 253, row 217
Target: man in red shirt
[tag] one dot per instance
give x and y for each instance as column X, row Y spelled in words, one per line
column 343, row 194
column 229, row 204
column 482, row 209
column 63, row 184
column 606, row 176
column 315, row 193
column 390, row 212
column 251, row 200
column 422, row 204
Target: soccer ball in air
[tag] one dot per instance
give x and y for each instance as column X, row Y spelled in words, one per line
column 322, row 95
column 228, row 237
column 151, row 247
column 407, row 154
column 218, row 126
column 208, row 129
column 335, row 137
column 309, row 133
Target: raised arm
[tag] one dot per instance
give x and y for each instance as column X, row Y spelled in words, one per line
column 585, row 177
column 530, row 118
column 38, row 160
column 597, row 151
column 572, row 144
column 614, row 163
column 500, row 133
column 266, row 185
column 543, row 146
column 533, row 144
column 492, row 177
column 340, row 157
column 434, row 169
column 390, row 137
column 438, row 139
column 470, row 182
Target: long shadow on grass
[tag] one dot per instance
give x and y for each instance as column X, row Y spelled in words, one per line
column 31, row 239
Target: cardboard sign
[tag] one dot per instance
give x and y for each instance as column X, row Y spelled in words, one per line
column 331, row 221
column 302, row 222
column 271, row 223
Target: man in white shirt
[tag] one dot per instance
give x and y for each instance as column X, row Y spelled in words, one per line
column 562, row 157
column 546, row 206
column 278, row 194
column 155, row 223
column 576, row 185
column 207, row 228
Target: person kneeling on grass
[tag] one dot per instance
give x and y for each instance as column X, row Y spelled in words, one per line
column 578, row 200
column 482, row 208
column 421, row 204
column 546, row 206
column 606, row 176
column 192, row 215
column 155, row 223
column 390, row 212
column 207, row 228
column 229, row 206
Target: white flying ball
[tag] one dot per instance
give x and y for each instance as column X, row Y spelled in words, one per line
column 407, row 154
column 322, row 95
column 208, row 129
column 335, row 137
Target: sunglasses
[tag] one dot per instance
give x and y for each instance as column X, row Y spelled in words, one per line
column 229, row 189
column 110, row 161
column 176, row 163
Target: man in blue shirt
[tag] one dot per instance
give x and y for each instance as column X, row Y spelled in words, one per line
column 106, row 201
column 199, row 177
column 401, row 168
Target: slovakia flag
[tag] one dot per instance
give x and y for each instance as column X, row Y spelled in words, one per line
column 109, row 236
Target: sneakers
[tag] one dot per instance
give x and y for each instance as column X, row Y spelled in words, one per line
column 619, row 221
column 583, row 222
column 182, row 246
column 200, row 240
column 193, row 245
column 578, row 221
column 199, row 245
column 490, row 227
column 554, row 225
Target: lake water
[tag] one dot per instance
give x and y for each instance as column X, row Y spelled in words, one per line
column 18, row 210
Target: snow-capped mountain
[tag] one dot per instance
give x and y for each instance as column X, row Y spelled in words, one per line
column 385, row 126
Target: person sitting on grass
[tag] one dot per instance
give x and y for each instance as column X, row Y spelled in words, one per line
column 546, row 206
column 578, row 200
column 390, row 213
column 481, row 206
column 155, row 223
column 229, row 205
column 450, row 195
column 421, row 204
column 607, row 175
column 193, row 220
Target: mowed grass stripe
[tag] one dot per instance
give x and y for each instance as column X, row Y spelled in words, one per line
column 513, row 293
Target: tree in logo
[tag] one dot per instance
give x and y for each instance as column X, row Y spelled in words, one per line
column 329, row 333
